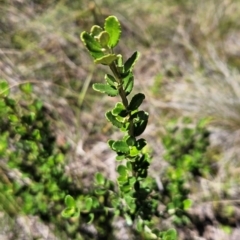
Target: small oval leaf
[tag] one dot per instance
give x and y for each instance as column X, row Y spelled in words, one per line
column 93, row 46
column 128, row 220
column 26, row 88
column 140, row 122
column 69, row 201
column 68, row 212
column 118, row 109
column 88, row 204
column 105, row 88
column 128, row 82
column 120, row 146
column 122, row 170
column 130, row 141
column 113, row 27
column 133, row 151
column 129, row 64
column 95, row 30
column 187, row 203
column 99, row 178
column 110, row 117
column 106, row 60
column 104, row 39
column 136, row 101
column 91, row 218
column 141, row 143
column 110, row 80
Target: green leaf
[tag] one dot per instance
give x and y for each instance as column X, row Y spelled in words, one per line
column 136, row 101
column 120, row 146
column 91, row 218
column 122, row 170
column 122, row 179
column 100, row 192
column 68, row 212
column 128, row 82
column 13, row 118
column 10, row 102
column 118, row 109
column 26, row 88
column 126, row 188
column 129, row 64
column 141, row 143
column 187, row 203
column 36, row 134
column 38, row 105
column 69, row 201
column 110, row 117
column 111, row 80
column 4, row 88
column 140, row 224
column 88, row 204
column 171, row 208
column 170, row 234
column 130, row 141
column 140, row 122
column 130, row 201
column 133, row 151
column 123, row 113
column 142, row 173
column 93, row 46
column 120, row 157
column 99, row 178
column 128, row 220
column 132, row 181
column 104, row 39
column 95, row 202
column 129, row 166
column 115, row 201
column 95, row 31
column 120, row 60
column 22, row 130
column 106, row 60
column 110, row 143
column 113, row 27
column 203, row 123
column 105, row 88
column 120, row 65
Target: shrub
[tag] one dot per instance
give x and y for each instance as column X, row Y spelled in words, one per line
column 134, row 198
column 185, row 151
column 37, row 182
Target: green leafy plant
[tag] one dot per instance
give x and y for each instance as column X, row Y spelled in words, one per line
column 134, row 198
column 186, row 148
column 28, row 149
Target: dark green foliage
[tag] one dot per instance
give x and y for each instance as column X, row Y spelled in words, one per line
column 186, row 149
column 28, row 146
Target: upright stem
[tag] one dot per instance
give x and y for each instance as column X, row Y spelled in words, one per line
column 120, row 81
column 122, row 95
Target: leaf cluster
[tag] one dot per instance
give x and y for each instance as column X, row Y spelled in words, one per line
column 186, row 149
column 134, row 198
column 28, row 146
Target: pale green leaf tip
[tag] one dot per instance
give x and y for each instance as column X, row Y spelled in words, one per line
column 82, row 35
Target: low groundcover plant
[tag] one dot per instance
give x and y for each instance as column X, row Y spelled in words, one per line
column 135, row 198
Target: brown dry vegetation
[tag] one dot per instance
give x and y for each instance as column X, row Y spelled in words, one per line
column 189, row 65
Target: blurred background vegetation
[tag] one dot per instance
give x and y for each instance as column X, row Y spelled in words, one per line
column 53, row 131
